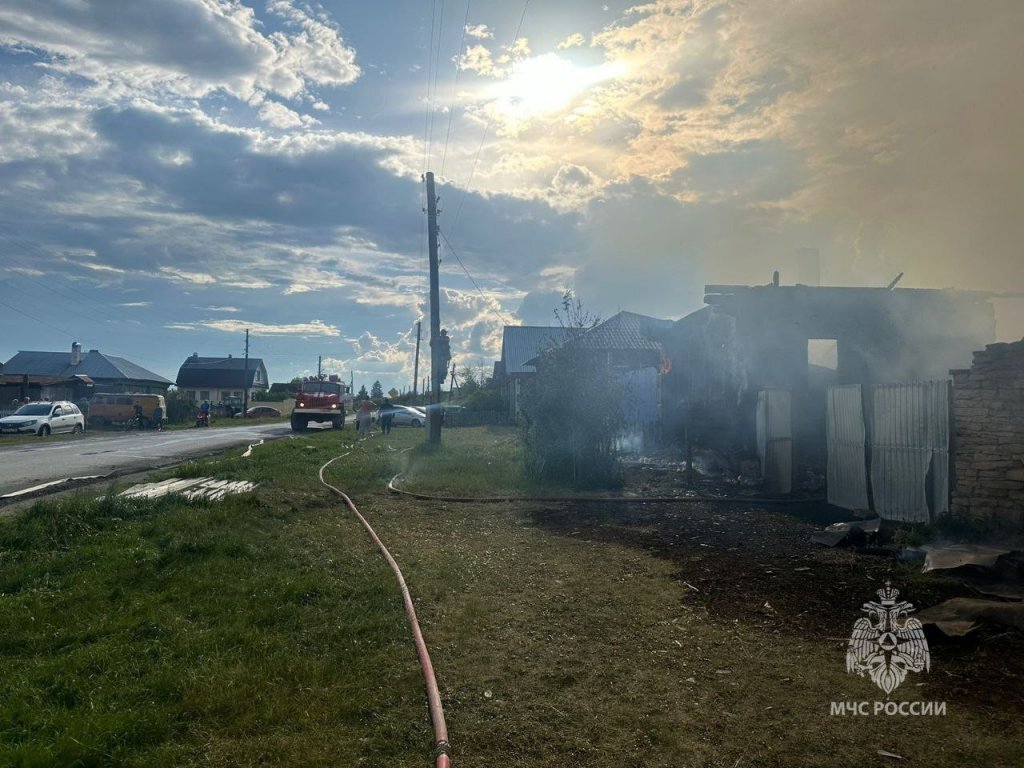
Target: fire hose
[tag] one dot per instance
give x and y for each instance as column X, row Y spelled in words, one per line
column 442, row 749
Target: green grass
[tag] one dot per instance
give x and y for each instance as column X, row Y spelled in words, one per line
column 267, row 630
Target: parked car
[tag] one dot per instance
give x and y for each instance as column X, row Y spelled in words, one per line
column 262, row 412
column 407, row 416
column 43, row 418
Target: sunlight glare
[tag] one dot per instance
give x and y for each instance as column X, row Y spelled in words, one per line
column 548, row 83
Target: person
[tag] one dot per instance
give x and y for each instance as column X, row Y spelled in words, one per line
column 137, row 418
column 204, row 414
column 387, row 415
column 158, row 419
column 364, row 418
column 15, row 403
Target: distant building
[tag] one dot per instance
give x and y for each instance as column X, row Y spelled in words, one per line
column 519, row 345
column 75, row 375
column 219, row 379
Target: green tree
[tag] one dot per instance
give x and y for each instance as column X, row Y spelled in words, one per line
column 362, row 394
column 376, row 391
column 571, row 412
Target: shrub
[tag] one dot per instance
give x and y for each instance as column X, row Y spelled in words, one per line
column 571, row 413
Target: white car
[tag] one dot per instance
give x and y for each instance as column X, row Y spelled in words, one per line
column 43, row 418
column 406, row 416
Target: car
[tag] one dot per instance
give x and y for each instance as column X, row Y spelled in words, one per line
column 263, row 412
column 42, row 418
column 407, row 416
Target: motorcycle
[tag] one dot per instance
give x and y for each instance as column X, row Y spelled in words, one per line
column 203, row 419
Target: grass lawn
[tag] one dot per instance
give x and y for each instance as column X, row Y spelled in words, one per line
column 267, row 630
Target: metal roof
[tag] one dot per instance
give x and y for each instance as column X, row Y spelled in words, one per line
column 220, row 372
column 521, row 343
column 93, row 364
column 626, row 331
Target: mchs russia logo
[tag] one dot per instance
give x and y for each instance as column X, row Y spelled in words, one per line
column 887, row 643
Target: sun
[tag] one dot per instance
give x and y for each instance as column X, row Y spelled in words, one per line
column 547, row 84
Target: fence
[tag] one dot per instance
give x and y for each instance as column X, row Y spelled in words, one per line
column 898, row 436
column 464, row 418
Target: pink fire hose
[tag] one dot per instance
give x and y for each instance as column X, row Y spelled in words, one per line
column 442, row 749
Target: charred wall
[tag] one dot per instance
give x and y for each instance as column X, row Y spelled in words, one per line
column 988, row 413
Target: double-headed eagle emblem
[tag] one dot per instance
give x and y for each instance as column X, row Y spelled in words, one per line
column 887, row 643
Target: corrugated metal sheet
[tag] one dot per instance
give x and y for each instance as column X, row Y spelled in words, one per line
column 775, row 439
column 910, row 450
column 847, row 477
column 520, row 343
column 93, row 364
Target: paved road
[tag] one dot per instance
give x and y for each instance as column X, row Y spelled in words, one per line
column 22, row 466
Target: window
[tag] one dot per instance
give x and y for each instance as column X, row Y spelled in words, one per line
column 204, row 394
column 823, row 353
column 124, row 401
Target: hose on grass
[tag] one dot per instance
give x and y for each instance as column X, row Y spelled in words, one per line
column 596, row 497
column 442, row 749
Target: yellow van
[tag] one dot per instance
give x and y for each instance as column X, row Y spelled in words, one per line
column 118, row 409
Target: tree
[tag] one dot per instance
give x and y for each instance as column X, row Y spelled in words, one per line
column 362, row 394
column 572, row 412
column 376, row 391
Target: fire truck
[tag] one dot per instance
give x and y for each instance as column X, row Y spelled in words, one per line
column 326, row 398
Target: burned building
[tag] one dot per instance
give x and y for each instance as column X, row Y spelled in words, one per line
column 752, row 340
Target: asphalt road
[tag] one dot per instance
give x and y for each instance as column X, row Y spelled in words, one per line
column 23, row 466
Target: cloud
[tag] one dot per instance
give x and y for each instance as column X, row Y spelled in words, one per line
column 477, row 58
column 279, row 116
column 311, row 328
column 572, row 41
column 191, row 48
column 222, row 309
column 135, row 304
column 479, row 31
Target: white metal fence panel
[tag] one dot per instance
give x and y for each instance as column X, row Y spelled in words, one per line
column 910, row 450
column 775, row 439
column 847, row 476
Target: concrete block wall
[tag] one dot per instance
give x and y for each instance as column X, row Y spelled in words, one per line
column 988, row 416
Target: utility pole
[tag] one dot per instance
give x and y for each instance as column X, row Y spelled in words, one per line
column 245, row 378
column 416, row 365
column 319, row 378
column 436, row 376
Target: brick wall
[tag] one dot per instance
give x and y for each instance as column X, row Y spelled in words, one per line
column 988, row 413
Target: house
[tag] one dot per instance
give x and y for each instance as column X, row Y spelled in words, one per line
column 782, row 346
column 219, row 379
column 519, row 345
column 75, row 375
column 631, row 345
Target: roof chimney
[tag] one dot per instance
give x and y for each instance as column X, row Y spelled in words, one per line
column 76, row 353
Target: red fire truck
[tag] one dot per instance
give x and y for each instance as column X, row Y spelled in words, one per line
column 326, row 398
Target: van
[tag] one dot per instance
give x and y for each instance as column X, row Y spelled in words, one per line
column 119, row 408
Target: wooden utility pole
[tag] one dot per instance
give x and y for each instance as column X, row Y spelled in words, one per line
column 416, row 365
column 245, row 378
column 436, row 376
column 319, row 377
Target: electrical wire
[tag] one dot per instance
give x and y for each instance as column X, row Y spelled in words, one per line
column 455, row 84
column 501, row 317
column 487, row 128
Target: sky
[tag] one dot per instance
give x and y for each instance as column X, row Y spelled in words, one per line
column 174, row 173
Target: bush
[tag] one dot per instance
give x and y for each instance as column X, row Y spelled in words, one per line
column 180, row 407
column 571, row 414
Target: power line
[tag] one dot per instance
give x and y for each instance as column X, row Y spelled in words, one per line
column 487, row 127
column 479, row 290
column 437, row 69
column 430, row 65
column 455, row 84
